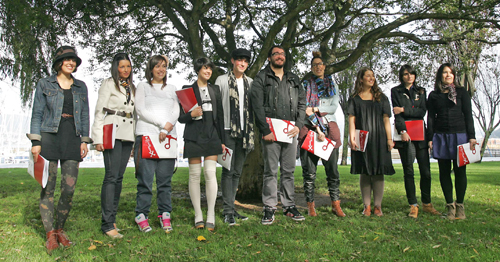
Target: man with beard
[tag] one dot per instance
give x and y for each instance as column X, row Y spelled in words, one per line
column 276, row 93
column 238, row 129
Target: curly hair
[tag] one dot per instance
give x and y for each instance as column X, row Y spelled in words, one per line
column 358, row 85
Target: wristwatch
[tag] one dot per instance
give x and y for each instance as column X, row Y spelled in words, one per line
column 402, row 132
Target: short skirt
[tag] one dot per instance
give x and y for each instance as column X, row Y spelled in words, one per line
column 444, row 146
column 194, row 149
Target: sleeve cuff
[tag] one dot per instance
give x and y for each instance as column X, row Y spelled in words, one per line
column 34, row 137
column 36, row 143
column 86, row 139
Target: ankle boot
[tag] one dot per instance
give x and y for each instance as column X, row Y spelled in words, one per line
column 378, row 211
column 460, row 211
column 413, row 211
column 311, row 209
column 429, row 208
column 336, row 208
column 367, row 211
column 62, row 238
column 450, row 211
column 51, row 243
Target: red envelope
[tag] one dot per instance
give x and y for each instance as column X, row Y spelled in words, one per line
column 152, row 148
column 108, row 136
column 466, row 156
column 187, row 99
column 39, row 170
column 318, row 148
column 415, row 129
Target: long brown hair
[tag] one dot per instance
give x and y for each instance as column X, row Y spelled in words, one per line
column 116, row 75
column 358, row 85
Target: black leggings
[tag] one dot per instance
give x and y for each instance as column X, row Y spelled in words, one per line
column 447, row 184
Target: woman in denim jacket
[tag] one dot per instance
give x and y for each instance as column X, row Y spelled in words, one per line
column 60, row 132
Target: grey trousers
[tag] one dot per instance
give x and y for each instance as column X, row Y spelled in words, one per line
column 275, row 153
column 231, row 178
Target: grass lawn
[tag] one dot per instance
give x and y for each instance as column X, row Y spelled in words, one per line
column 393, row 237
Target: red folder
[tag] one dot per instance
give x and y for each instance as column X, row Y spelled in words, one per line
column 187, row 99
column 108, row 136
column 319, row 148
column 415, row 129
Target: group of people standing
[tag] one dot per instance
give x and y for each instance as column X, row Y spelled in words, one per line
column 227, row 116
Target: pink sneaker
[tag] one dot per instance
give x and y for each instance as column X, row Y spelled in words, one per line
column 165, row 221
column 143, row 223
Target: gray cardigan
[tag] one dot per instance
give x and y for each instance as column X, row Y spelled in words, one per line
column 223, row 82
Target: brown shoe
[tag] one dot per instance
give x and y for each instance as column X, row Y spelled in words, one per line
column 114, row 234
column 413, row 211
column 378, row 211
column 450, row 211
column 336, row 208
column 62, row 238
column 460, row 214
column 310, row 209
column 367, row 211
column 429, row 208
column 51, row 243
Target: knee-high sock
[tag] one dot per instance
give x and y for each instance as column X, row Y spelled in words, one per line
column 378, row 182
column 194, row 190
column 210, row 188
column 365, row 184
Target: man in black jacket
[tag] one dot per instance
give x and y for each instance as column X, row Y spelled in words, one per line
column 276, row 93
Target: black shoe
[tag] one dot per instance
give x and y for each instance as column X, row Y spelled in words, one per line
column 238, row 216
column 229, row 219
column 268, row 217
column 293, row 213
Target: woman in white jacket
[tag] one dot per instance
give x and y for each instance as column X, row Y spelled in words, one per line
column 158, row 109
column 115, row 106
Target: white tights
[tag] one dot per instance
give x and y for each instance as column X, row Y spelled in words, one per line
column 210, row 189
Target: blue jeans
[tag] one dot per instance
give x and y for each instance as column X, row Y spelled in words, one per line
column 145, row 170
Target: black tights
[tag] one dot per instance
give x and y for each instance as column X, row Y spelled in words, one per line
column 447, row 184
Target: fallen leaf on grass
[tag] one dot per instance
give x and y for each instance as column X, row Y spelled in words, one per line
column 375, row 238
column 92, row 247
column 249, row 245
column 436, row 246
column 98, row 242
column 258, row 252
column 167, row 231
column 475, row 251
column 406, row 249
column 201, row 238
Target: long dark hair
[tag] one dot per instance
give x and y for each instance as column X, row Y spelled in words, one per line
column 438, row 85
column 153, row 61
column 116, row 75
column 358, row 85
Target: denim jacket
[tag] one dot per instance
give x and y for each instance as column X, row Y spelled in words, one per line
column 48, row 104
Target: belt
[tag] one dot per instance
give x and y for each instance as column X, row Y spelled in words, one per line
column 118, row 113
column 64, row 115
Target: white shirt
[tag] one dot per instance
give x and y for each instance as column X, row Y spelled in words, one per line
column 241, row 100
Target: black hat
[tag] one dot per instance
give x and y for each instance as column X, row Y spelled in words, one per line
column 64, row 52
column 241, row 52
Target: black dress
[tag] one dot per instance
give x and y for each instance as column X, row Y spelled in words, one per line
column 376, row 160
column 65, row 144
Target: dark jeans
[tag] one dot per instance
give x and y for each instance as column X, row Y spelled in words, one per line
column 231, row 178
column 69, row 176
column 115, row 163
column 447, row 184
column 407, row 158
column 145, row 170
column 309, row 163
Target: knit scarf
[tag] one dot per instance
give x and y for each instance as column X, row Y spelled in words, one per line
column 317, row 88
column 126, row 85
column 452, row 92
column 246, row 132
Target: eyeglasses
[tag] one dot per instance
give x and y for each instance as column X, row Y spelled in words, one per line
column 278, row 53
column 317, row 65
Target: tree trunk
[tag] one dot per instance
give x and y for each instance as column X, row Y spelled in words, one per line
column 250, row 186
column 487, row 134
column 345, row 146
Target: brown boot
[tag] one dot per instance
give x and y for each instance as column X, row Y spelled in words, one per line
column 460, row 211
column 429, row 208
column 336, row 208
column 310, row 209
column 51, row 243
column 62, row 238
column 450, row 211
column 378, row 211
column 367, row 211
column 413, row 211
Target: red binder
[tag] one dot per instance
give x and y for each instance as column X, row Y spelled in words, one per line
column 108, row 136
column 187, row 99
column 415, row 129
